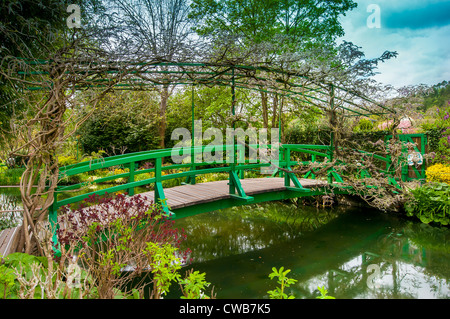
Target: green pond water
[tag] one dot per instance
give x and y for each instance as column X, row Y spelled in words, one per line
column 354, row 252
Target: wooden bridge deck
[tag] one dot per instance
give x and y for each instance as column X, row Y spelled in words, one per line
column 8, row 240
column 190, row 195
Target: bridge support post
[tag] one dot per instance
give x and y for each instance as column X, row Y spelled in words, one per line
column 236, row 186
column 159, row 190
column 131, row 178
column 53, row 220
column 289, row 175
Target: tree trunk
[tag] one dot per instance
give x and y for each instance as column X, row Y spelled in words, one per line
column 162, row 115
column 265, row 113
column 281, row 120
column 274, row 110
column 41, row 168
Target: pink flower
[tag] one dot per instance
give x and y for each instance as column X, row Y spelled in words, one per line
column 405, row 123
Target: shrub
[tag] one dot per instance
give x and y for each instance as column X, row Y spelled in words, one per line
column 11, row 176
column 430, row 203
column 66, row 160
column 113, row 234
column 438, row 173
column 439, row 135
column 24, row 276
column 364, row 125
column 115, row 241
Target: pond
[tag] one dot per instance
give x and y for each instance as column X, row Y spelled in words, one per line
column 10, row 202
column 354, row 252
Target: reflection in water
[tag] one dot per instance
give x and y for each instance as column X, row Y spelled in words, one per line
column 248, row 228
column 9, row 202
column 355, row 253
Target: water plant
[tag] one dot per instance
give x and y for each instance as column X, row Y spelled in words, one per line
column 323, row 293
column 283, row 281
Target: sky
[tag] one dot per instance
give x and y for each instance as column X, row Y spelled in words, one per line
column 419, row 30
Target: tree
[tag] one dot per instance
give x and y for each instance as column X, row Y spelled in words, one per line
column 160, row 29
column 129, row 125
column 48, row 80
column 17, row 18
column 275, row 33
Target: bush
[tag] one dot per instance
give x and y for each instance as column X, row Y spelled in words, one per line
column 439, row 135
column 430, row 203
column 115, row 241
column 24, row 276
column 66, row 160
column 120, row 233
column 11, row 176
column 439, row 173
column 364, row 125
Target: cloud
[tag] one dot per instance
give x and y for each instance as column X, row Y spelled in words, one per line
column 427, row 14
column 417, row 29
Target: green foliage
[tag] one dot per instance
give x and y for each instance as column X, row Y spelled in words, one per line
column 6, row 280
column 438, row 132
column 66, row 160
column 29, row 28
column 439, row 96
column 282, row 23
column 300, row 133
column 434, row 134
column 164, row 266
column 102, row 133
column 430, row 203
column 30, row 277
column 123, row 121
column 364, row 125
column 324, row 293
column 10, row 176
column 286, row 282
column 193, row 285
column 283, row 281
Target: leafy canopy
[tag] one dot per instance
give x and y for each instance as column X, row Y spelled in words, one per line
column 284, row 21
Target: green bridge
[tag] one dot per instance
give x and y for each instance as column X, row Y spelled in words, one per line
column 192, row 198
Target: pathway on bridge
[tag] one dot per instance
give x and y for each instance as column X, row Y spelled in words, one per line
column 190, row 195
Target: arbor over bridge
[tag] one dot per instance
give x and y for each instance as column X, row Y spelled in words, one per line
column 194, row 198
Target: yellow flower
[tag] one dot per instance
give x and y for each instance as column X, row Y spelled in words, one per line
column 438, row 173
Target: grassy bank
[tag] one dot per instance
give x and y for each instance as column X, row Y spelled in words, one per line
column 11, row 176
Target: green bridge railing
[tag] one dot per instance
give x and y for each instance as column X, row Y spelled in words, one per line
column 235, row 166
column 288, row 156
column 194, row 168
